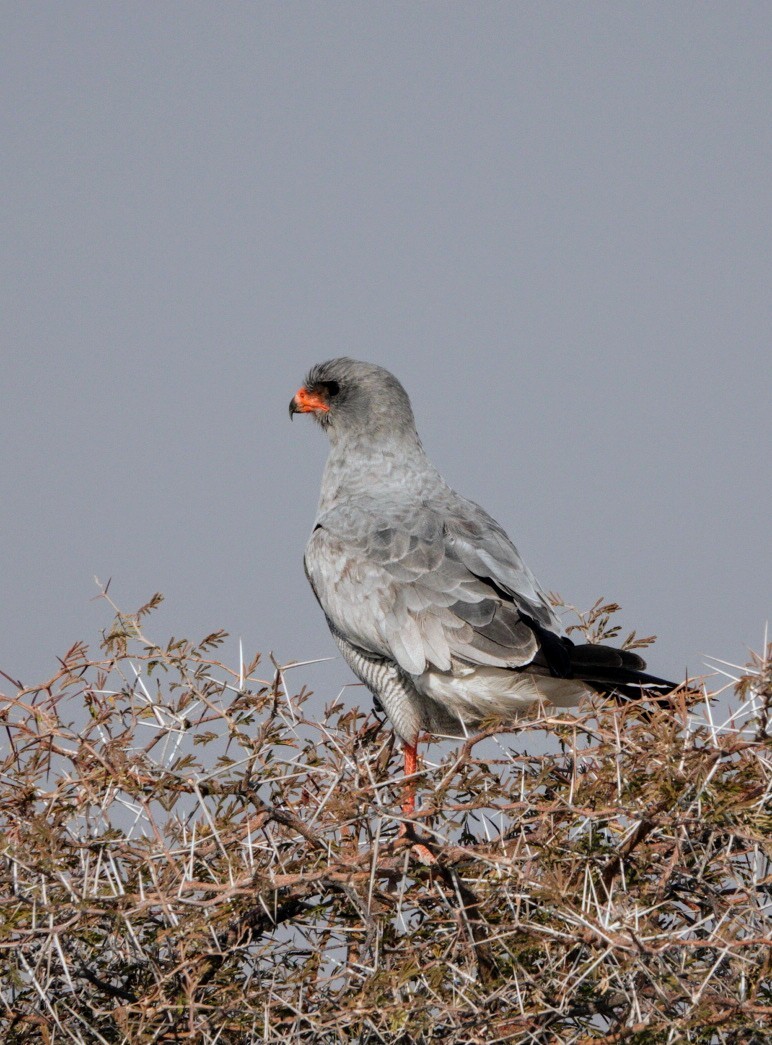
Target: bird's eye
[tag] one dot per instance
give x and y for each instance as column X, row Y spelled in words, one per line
column 331, row 388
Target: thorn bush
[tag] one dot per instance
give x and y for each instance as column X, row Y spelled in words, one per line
column 187, row 854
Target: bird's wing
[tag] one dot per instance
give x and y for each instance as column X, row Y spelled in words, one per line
column 425, row 585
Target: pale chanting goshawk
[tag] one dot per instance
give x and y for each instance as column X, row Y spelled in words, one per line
column 425, row 595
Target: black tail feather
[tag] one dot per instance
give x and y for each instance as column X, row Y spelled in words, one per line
column 618, row 672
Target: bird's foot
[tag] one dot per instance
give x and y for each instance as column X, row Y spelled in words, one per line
column 420, row 850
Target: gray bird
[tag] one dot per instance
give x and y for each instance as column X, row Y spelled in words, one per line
column 425, row 595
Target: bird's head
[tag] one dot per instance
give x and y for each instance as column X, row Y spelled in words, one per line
column 351, row 398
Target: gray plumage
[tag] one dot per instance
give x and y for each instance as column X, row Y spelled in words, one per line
column 426, row 596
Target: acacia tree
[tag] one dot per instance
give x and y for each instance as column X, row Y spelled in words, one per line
column 188, row 855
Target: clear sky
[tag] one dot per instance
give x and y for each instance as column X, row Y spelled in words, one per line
column 551, row 221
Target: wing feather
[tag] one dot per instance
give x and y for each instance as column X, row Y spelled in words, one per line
column 428, row 587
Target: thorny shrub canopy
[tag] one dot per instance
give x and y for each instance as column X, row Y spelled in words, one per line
column 187, row 855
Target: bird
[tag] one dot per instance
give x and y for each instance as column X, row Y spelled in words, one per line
column 426, row 597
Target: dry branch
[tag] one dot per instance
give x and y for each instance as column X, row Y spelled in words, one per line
column 187, row 856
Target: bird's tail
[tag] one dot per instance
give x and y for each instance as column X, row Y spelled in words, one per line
column 618, row 672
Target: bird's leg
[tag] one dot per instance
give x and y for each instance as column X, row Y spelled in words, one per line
column 408, row 794
column 420, row 851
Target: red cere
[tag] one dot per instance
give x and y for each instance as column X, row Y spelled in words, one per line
column 307, row 402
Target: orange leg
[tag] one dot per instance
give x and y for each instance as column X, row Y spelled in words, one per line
column 420, row 851
column 411, row 765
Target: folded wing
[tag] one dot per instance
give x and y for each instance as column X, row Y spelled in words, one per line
column 428, row 588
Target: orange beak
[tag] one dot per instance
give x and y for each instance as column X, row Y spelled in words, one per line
column 305, row 402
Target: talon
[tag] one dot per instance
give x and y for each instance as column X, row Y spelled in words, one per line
column 420, row 851
column 423, row 855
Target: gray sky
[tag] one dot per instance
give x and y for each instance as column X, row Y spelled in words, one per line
column 551, row 221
